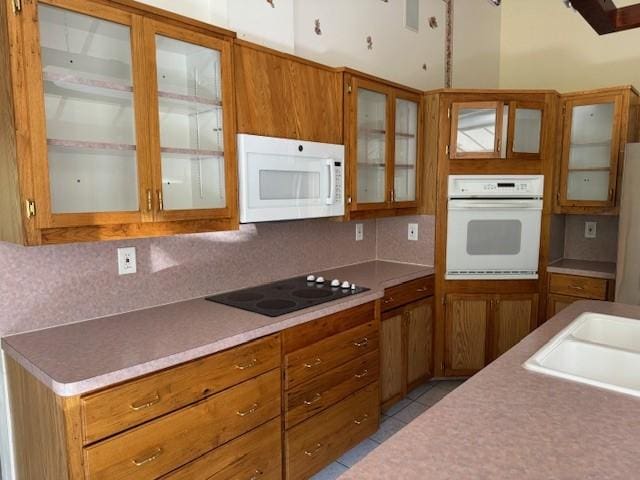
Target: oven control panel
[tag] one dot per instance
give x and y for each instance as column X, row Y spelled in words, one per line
column 469, row 186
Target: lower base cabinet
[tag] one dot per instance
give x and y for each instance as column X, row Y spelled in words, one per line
column 479, row 328
column 567, row 289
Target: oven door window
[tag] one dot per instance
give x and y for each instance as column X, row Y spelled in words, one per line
column 289, row 185
column 494, row 237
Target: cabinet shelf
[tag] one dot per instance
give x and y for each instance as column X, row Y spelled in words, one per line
column 378, row 131
column 116, row 89
column 124, row 147
column 591, row 144
column 590, row 169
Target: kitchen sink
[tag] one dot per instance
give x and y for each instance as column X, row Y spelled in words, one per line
column 599, row 350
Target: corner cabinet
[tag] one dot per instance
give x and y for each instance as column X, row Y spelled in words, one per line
column 123, row 124
column 383, row 140
column 596, row 127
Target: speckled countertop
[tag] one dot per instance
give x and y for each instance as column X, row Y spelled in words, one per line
column 85, row 356
column 507, row 423
column 584, row 268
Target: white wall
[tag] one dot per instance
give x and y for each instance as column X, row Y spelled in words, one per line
column 398, row 53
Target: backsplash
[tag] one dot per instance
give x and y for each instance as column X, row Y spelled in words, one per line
column 603, row 248
column 53, row 285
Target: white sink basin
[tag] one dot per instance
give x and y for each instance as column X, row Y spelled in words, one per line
column 599, row 350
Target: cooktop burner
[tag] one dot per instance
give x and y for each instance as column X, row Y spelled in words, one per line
column 286, row 296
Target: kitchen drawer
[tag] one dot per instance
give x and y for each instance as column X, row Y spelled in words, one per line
column 312, row 444
column 407, row 293
column 111, row 411
column 576, row 286
column 325, row 390
column 308, row 333
column 309, row 362
column 255, row 455
column 156, row 448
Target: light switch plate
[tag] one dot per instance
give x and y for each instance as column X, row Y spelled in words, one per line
column 413, row 232
column 127, row 260
column 359, row 231
column 590, row 229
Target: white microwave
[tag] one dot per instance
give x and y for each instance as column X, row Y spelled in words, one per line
column 283, row 179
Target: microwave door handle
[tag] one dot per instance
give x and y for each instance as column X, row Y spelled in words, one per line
column 332, row 182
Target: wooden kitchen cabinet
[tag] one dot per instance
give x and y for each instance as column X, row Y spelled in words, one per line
column 494, row 130
column 406, row 339
column 120, row 123
column 480, row 328
column 383, row 141
column 280, row 95
column 207, row 411
column 567, row 289
column 596, row 125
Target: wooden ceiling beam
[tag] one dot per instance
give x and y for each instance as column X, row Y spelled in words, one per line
column 604, row 17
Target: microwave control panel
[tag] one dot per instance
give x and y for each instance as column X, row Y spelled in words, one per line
column 339, row 181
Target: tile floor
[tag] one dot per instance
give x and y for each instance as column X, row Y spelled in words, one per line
column 416, row 402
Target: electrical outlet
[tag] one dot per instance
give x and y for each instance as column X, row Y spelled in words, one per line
column 359, row 231
column 590, row 229
column 413, row 232
column 127, row 260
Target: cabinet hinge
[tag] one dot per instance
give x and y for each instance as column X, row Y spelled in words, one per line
column 349, row 200
column 349, row 89
column 17, row 6
column 449, row 113
column 446, row 150
column 31, row 208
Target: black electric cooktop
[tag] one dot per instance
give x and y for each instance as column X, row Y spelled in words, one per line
column 286, row 296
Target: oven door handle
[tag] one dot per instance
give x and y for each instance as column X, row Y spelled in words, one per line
column 332, row 182
column 495, row 205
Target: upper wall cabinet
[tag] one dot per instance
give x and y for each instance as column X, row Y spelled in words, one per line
column 279, row 95
column 496, row 130
column 124, row 124
column 596, row 127
column 384, row 147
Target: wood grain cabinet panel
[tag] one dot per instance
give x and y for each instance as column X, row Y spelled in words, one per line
column 316, row 395
column 164, row 444
column 309, row 362
column 124, row 406
column 392, row 356
column 557, row 303
column 256, row 455
column 467, row 325
column 419, row 321
column 515, row 317
column 318, row 441
column 280, row 95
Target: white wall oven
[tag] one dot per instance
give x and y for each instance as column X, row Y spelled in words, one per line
column 493, row 227
column 282, row 179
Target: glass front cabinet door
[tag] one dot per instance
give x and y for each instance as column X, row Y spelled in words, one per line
column 127, row 118
column 476, row 130
column 385, row 129
column 590, row 147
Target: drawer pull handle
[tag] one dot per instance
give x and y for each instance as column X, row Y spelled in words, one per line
column 315, row 363
column 257, row 474
column 422, row 289
column 388, row 300
column 245, row 366
column 576, row 287
column 361, row 420
column 141, row 406
column 315, row 399
column 362, row 374
column 156, row 453
column 311, row 453
column 361, row 343
column 252, row 409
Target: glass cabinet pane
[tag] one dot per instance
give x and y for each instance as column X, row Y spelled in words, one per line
column 191, row 130
column 527, row 130
column 590, row 152
column 476, row 131
column 88, row 99
column 406, row 151
column 372, row 159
